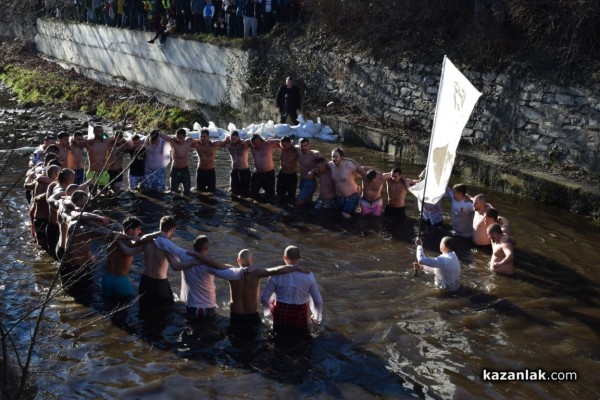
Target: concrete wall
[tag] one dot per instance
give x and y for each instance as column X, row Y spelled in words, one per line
column 181, row 68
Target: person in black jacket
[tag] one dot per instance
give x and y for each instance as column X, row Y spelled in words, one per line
column 289, row 101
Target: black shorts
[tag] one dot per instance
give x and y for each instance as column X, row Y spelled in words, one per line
column 398, row 213
column 155, row 292
column 206, row 181
column 75, row 279
column 240, row 181
column 116, row 175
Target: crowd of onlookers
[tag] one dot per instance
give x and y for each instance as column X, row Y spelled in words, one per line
column 233, row 18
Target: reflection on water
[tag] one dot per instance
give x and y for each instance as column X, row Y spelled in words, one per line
column 386, row 334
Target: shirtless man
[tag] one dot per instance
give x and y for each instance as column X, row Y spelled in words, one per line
column 308, row 161
column 370, row 202
column 75, row 268
column 342, row 173
column 157, row 157
column 287, row 179
column 245, row 293
column 40, row 208
column 97, row 150
column 240, row 170
column 480, row 206
column 64, row 179
column 263, row 176
column 63, row 148
column 180, row 170
column 137, row 164
column 155, row 288
column 397, row 186
column 115, row 160
column 502, row 261
column 75, row 157
column 206, row 179
column 115, row 281
column 492, row 217
column 326, row 199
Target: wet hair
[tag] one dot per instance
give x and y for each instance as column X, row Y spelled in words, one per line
column 78, row 195
column 154, row 133
column 201, row 243
column 235, row 133
column 449, row 242
column 71, row 188
column 53, row 171
column 49, row 157
column 492, row 213
column 167, row 223
column 50, row 137
column 55, row 162
column 136, row 137
column 245, row 257
column 286, row 139
column 180, row 132
column 62, row 134
column 460, row 188
column 371, row 174
column 304, row 140
column 320, row 160
column 203, row 131
column 494, row 228
column 397, row 170
column 77, row 133
column 131, row 223
column 65, row 174
column 255, row 137
column 118, row 134
column 52, row 149
column 339, row 151
column 292, row 253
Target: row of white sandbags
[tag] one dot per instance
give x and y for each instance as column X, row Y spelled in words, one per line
column 269, row 129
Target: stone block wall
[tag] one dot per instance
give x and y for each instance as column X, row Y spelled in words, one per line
column 532, row 118
column 185, row 69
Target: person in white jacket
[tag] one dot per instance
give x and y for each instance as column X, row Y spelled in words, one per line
column 446, row 266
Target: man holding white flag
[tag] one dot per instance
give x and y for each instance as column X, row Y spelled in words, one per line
column 456, row 99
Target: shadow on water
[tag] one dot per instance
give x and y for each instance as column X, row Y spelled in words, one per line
column 315, row 365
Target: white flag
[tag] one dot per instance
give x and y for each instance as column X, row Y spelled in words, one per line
column 455, row 102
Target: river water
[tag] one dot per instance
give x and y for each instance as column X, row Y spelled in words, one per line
column 385, row 334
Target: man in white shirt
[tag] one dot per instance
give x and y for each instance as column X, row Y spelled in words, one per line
column 198, row 282
column 288, row 297
column 446, row 266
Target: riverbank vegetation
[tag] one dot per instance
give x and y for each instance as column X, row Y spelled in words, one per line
column 40, row 82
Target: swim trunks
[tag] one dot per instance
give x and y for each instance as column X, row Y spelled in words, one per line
column 347, row 204
column 116, row 286
column 103, row 178
column 371, row 207
column 155, row 292
column 306, row 189
column 398, row 213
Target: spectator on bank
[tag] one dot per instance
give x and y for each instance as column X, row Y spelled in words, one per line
column 267, row 7
column 121, row 13
column 229, row 9
column 209, row 14
column 98, row 6
column 239, row 17
column 90, row 16
column 197, row 7
column 283, row 10
column 251, row 12
column 161, row 31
